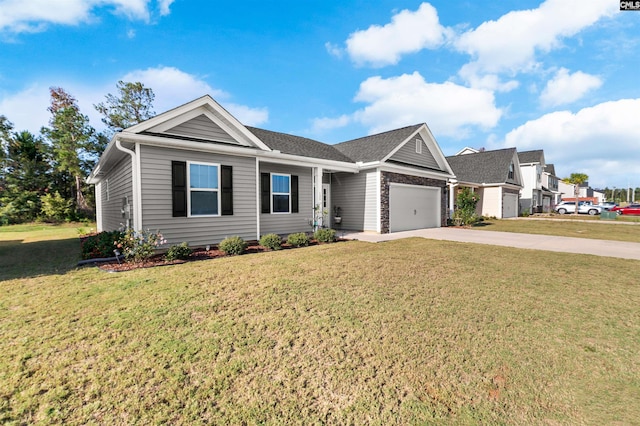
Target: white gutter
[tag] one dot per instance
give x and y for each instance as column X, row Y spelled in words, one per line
column 386, row 167
column 134, row 181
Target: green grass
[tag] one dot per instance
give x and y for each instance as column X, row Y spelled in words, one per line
column 406, row 332
column 566, row 228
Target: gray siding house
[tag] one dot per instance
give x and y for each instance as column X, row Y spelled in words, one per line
column 196, row 174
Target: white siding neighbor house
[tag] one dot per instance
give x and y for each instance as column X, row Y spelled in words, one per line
column 493, row 175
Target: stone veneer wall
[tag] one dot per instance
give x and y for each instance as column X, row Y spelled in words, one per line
column 387, row 177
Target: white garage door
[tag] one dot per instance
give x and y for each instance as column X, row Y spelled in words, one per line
column 413, row 207
column 509, row 205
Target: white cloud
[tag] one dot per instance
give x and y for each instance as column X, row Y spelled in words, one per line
column 510, row 44
column 27, row 109
column 448, row 109
column 334, row 50
column 565, row 88
column 323, row 124
column 164, row 6
column 18, row 16
column 174, row 87
column 408, row 32
column 601, row 141
column 247, row 115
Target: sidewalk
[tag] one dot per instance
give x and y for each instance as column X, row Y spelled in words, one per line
column 620, row 249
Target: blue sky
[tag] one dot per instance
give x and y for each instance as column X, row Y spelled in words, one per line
column 558, row 75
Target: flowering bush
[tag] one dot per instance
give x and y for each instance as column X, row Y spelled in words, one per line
column 99, row 245
column 465, row 213
column 137, row 246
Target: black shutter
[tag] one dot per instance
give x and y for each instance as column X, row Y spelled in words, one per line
column 226, row 179
column 265, row 192
column 294, row 194
column 179, row 188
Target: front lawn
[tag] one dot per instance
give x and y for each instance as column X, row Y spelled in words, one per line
column 405, row 332
column 600, row 230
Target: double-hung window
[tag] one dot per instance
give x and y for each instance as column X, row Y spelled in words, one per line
column 204, row 189
column 280, row 193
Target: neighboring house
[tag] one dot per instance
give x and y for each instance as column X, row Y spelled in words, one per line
column 551, row 194
column 494, row 175
column 196, row 174
column 585, row 193
column 531, row 167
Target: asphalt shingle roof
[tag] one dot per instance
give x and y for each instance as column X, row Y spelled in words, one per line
column 375, row 147
column 550, row 168
column 535, row 156
column 297, row 145
column 483, row 167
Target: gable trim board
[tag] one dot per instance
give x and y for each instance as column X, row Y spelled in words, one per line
column 150, row 157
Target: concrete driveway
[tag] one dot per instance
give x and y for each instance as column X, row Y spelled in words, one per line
column 608, row 248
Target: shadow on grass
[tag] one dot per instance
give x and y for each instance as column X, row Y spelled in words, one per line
column 481, row 224
column 25, row 260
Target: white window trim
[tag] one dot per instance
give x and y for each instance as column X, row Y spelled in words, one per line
column 418, row 146
column 271, row 175
column 199, row 163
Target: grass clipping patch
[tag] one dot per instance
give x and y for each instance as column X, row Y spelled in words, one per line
column 404, row 332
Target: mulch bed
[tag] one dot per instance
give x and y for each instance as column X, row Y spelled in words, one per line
column 197, row 254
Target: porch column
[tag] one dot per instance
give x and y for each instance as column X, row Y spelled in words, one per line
column 317, row 191
column 452, row 197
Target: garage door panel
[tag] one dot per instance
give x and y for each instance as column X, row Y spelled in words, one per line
column 413, row 207
column 509, row 205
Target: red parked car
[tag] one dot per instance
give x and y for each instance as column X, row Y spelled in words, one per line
column 630, row 209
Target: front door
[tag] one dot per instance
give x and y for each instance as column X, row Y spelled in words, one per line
column 326, row 204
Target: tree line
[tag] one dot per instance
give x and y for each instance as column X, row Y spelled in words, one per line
column 43, row 176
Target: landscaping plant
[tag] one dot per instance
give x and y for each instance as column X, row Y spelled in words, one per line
column 299, row 239
column 233, row 245
column 325, row 235
column 100, row 245
column 137, row 246
column 271, row 241
column 465, row 213
column 180, row 251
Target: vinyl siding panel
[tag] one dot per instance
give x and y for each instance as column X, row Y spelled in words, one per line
column 356, row 195
column 202, row 127
column 407, row 155
column 287, row 223
column 197, row 231
column 118, row 185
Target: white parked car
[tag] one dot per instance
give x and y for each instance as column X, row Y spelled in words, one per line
column 584, row 208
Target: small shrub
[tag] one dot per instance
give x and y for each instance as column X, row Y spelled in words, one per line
column 233, row 245
column 138, row 246
column 271, row 241
column 100, row 245
column 180, row 251
column 299, row 239
column 325, row 235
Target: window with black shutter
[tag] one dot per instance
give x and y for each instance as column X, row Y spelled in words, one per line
column 179, row 188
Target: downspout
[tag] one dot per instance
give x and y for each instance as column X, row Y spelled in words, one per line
column 134, row 183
